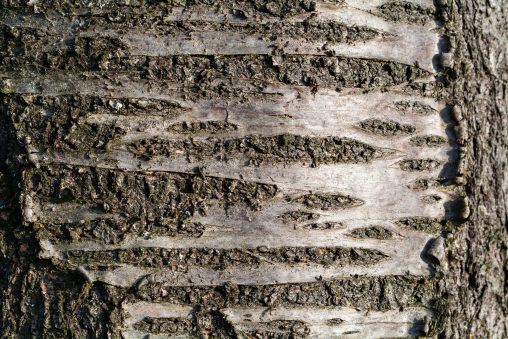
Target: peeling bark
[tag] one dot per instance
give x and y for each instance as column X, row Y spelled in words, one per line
column 234, row 169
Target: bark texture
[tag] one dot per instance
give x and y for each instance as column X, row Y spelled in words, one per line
column 237, row 169
column 477, row 281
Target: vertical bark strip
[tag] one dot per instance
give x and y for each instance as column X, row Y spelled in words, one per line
column 241, row 168
column 476, row 284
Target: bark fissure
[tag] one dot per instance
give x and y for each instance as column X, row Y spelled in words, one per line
column 230, row 169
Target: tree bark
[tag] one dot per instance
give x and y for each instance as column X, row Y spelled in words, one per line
column 237, row 169
column 477, row 283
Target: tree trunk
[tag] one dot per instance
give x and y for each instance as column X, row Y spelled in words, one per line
column 253, row 169
column 476, row 285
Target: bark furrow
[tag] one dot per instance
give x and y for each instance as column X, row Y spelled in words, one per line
column 232, row 169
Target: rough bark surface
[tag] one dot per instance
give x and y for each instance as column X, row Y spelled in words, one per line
column 268, row 169
column 477, row 281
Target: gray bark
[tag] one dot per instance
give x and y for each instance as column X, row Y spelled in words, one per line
column 477, row 282
column 253, row 169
